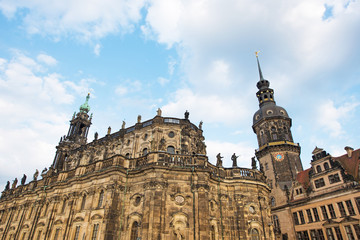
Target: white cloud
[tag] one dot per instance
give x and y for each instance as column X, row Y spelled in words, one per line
column 163, row 81
column 48, row 60
column 227, row 149
column 213, row 108
column 120, row 90
column 97, row 49
column 32, row 101
column 80, row 18
column 330, row 117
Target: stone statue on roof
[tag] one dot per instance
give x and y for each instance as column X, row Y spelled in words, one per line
column 219, row 160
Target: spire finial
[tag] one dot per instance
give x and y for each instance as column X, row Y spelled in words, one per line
column 257, row 59
column 85, row 108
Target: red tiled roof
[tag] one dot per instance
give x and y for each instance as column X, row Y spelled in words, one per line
column 350, row 164
column 303, row 178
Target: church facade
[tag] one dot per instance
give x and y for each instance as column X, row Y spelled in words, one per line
column 149, row 181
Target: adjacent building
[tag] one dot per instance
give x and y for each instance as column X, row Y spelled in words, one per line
column 322, row 202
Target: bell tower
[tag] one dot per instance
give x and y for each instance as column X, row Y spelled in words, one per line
column 278, row 155
column 76, row 136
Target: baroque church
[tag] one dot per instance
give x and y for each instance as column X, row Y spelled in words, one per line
column 153, row 180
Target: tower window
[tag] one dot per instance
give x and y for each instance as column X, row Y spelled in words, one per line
column 145, row 151
column 101, row 198
column 134, row 231
column 265, row 97
column 83, row 202
column 95, row 232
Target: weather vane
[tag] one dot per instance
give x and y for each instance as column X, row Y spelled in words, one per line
column 257, row 53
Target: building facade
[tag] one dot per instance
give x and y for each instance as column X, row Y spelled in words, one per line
column 322, row 202
column 149, row 181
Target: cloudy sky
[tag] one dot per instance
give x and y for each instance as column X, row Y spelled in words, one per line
column 134, row 56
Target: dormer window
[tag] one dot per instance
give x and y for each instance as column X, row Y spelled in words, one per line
column 318, row 169
column 319, row 183
column 334, row 178
column 326, row 166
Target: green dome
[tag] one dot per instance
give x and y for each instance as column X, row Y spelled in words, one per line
column 85, row 108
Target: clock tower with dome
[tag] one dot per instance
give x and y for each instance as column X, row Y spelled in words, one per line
column 278, row 155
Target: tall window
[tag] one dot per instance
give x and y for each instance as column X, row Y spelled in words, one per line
column 357, row 200
column 57, row 234
column 341, row 209
column 95, row 232
column 302, row 219
column 309, row 215
column 357, row 230
column 101, row 198
column 330, row 234
column 316, row 214
column 63, row 206
column 349, row 232
column 331, row 211
column 324, row 212
column 77, row 231
column 134, row 231
column 212, row 233
column 338, row 233
column 83, row 201
column 254, row 235
column 350, row 207
column 276, row 222
column 296, row 219
column 39, row 235
column 318, row 168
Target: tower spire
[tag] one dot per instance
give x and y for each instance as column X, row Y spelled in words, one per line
column 260, row 72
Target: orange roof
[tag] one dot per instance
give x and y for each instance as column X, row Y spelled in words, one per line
column 350, row 164
column 303, row 178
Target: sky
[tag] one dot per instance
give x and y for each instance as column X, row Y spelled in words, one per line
column 135, row 56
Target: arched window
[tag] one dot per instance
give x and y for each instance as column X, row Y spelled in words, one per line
column 145, row 151
column 254, row 234
column 127, row 155
column 171, row 149
column 95, row 232
column 134, row 231
column 273, row 202
column 326, row 166
column 273, row 132
column 276, row 222
column 265, row 96
column 101, row 198
column 63, row 206
column 212, row 233
column 83, row 201
column 318, row 168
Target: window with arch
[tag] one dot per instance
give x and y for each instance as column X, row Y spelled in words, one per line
column 77, row 231
column 145, row 151
column 326, row 166
column 171, row 149
column 95, row 232
column 273, row 133
column 127, row 155
column 83, row 201
column 318, row 169
column 63, row 206
column 101, row 198
column 254, row 234
column 212, row 233
column 265, row 97
column 276, row 222
column 134, row 231
column 273, row 202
